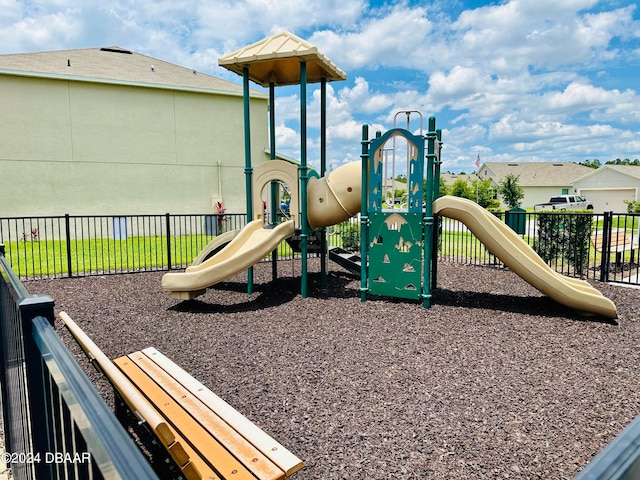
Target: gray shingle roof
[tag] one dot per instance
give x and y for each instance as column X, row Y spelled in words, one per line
column 536, row 174
column 450, row 178
column 632, row 170
column 114, row 65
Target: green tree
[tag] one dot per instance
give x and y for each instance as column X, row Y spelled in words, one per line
column 485, row 194
column 511, row 191
column 444, row 188
column 460, row 188
column 595, row 163
column 626, row 161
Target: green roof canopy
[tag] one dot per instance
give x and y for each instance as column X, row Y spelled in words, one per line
column 276, row 59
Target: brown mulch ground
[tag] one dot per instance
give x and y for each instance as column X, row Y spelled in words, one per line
column 494, row 381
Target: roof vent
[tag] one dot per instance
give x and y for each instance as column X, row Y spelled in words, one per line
column 558, row 165
column 512, row 164
column 116, row 50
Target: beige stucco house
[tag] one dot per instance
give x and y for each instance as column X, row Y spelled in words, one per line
column 113, row 132
column 609, row 186
column 540, row 180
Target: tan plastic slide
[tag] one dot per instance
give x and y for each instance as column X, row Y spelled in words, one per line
column 249, row 246
column 331, row 199
column 516, row 254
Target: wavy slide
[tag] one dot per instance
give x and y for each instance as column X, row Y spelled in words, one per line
column 331, row 199
column 249, row 246
column 516, row 254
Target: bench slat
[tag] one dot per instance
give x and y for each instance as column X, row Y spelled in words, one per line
column 241, row 448
column 132, row 396
column 203, row 445
column 620, row 240
column 272, row 449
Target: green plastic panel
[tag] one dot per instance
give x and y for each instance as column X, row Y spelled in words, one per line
column 395, row 254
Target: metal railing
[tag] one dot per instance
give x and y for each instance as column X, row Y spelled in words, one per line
column 602, row 247
column 56, row 424
column 70, row 245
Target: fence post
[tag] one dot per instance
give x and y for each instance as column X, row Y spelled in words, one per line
column 67, row 232
column 168, row 225
column 24, row 358
column 31, row 307
column 606, row 246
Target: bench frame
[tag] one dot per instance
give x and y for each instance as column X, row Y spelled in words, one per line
column 202, row 434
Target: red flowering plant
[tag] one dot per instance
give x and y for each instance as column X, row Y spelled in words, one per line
column 219, row 210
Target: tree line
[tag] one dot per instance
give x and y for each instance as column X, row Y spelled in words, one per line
column 595, row 163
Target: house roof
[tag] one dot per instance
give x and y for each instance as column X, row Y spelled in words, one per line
column 276, row 59
column 452, row 177
column 630, row 170
column 114, row 65
column 535, row 174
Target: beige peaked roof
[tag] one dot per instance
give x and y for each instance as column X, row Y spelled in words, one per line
column 536, row 174
column 631, row 170
column 113, row 65
column 277, row 59
column 452, row 177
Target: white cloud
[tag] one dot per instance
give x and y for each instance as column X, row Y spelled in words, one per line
column 391, row 36
column 514, row 79
column 517, row 34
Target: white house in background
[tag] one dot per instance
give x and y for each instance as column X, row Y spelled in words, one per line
column 540, row 180
column 450, row 178
column 609, row 186
column 112, row 132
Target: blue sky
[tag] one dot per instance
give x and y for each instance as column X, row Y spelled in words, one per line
column 517, row 80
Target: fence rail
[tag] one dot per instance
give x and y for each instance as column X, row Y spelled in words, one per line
column 45, row 391
column 602, row 247
column 65, row 246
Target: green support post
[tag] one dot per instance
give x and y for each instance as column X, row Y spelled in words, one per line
column 323, row 171
column 274, row 193
column 436, row 230
column 428, row 213
column 248, row 170
column 303, row 177
column 364, row 217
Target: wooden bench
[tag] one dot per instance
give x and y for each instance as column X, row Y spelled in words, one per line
column 204, row 435
column 621, row 242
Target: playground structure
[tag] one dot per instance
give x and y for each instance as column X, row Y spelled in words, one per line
column 397, row 242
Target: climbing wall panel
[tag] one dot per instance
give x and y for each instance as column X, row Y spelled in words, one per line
column 395, row 254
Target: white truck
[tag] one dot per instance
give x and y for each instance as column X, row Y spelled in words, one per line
column 564, row 202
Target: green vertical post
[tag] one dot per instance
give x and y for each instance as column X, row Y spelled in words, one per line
column 364, row 213
column 323, row 171
column 272, row 121
column 428, row 213
column 274, row 185
column 303, row 177
column 248, row 170
column 436, row 229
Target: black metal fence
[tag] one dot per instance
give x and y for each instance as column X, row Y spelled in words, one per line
column 56, row 424
column 603, row 247
column 69, row 245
